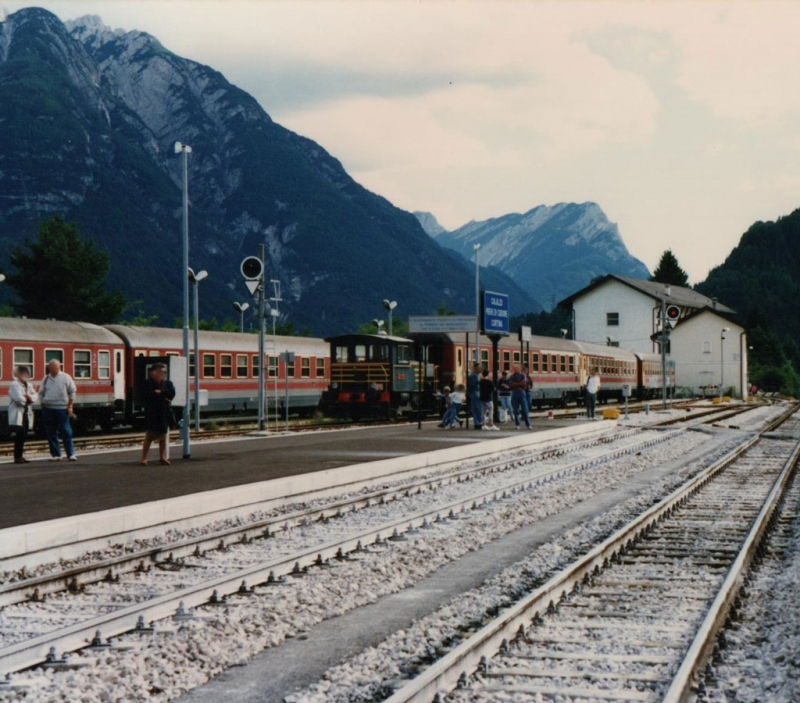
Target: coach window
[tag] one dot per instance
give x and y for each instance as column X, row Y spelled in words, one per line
column 241, row 366
column 544, row 363
column 255, row 366
column 305, row 367
column 563, row 364
column 361, row 352
column 516, row 357
column 535, row 364
column 24, row 357
column 209, row 366
column 612, row 319
column 340, row 355
column 571, row 364
column 273, row 367
column 1, row 363
column 554, row 363
column 57, row 354
column 320, row 368
column 459, row 357
column 82, row 363
column 103, row 364
column 226, row 365
column 485, row 357
column 290, row 367
column 506, row 360
column 404, row 353
column 191, row 365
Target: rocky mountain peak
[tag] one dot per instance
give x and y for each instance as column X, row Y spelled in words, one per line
column 429, row 223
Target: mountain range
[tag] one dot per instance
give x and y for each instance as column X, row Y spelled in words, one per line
column 549, row 251
column 89, row 119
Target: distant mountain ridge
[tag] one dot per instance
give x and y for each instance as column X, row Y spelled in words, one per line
column 549, row 251
column 89, row 118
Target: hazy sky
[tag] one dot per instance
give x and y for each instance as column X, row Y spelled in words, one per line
column 680, row 119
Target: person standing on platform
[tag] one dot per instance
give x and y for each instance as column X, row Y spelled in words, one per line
column 504, row 394
column 20, row 410
column 57, row 395
column 486, row 387
column 592, row 388
column 528, row 387
column 159, row 393
column 518, row 382
column 474, row 396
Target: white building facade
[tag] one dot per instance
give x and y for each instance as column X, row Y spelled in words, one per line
column 708, row 346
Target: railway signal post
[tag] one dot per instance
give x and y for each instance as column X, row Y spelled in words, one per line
column 252, row 269
column 184, row 150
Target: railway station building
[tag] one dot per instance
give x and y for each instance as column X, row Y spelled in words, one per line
column 707, row 343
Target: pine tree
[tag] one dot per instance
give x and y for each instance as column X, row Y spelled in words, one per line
column 669, row 271
column 61, row 275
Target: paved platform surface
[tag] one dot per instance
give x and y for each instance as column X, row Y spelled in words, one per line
column 297, row 663
column 44, row 490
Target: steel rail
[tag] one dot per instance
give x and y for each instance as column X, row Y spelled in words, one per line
column 445, row 673
column 29, row 653
column 703, row 644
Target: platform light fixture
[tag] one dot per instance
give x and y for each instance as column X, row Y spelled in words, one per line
column 390, row 305
column 241, row 307
column 185, row 150
column 722, row 360
column 194, row 279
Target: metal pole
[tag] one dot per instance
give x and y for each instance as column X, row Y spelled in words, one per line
column 241, row 321
column 477, row 306
column 286, row 398
column 261, row 343
column 277, row 366
column 196, row 355
column 390, row 322
column 422, row 371
column 187, row 449
column 466, row 363
column 664, row 353
column 721, row 363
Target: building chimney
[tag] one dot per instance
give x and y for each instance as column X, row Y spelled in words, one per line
column 714, row 303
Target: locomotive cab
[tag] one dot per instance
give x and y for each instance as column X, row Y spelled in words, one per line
column 372, row 375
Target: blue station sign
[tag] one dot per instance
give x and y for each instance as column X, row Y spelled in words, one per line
column 495, row 313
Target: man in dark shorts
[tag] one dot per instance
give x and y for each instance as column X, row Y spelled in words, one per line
column 158, row 418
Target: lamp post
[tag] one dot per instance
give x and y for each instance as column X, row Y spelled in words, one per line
column 185, row 150
column 194, row 279
column 275, row 313
column 2, row 277
column 390, row 305
column 722, row 359
column 664, row 340
column 379, row 324
column 476, row 248
column 241, row 307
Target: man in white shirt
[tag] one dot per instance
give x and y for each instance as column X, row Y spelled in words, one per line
column 592, row 387
column 57, row 395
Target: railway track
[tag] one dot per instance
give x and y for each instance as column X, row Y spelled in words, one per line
column 109, row 598
column 635, row 619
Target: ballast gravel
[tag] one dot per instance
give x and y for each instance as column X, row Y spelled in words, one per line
column 179, row 657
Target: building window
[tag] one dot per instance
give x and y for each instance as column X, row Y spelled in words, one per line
column 82, row 363
column 103, row 364
column 305, row 367
column 273, row 367
column 612, row 319
column 241, row 366
column 226, row 365
column 706, row 347
column 320, row 368
column 209, row 366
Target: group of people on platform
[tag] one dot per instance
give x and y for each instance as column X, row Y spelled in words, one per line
column 56, row 395
column 514, row 392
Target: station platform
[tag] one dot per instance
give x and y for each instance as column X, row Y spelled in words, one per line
column 109, row 479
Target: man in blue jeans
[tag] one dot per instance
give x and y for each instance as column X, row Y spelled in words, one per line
column 57, row 395
column 474, row 395
column 518, row 382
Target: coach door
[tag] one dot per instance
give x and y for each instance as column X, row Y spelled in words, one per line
column 119, row 376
